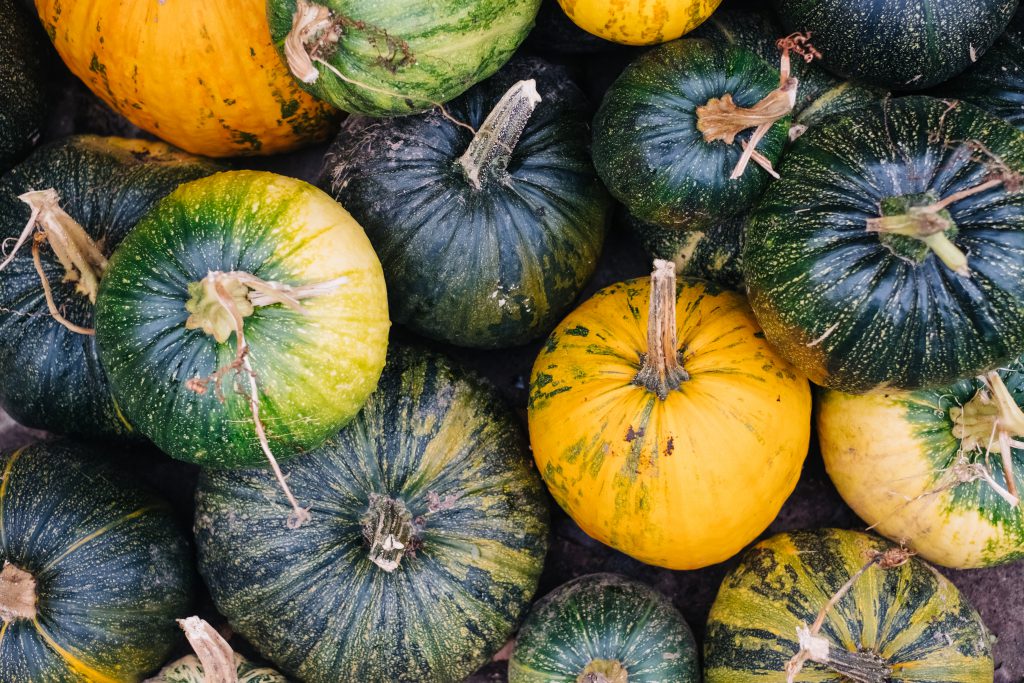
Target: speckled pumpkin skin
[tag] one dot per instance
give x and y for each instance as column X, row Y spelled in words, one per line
column 639, row 22
column 23, row 93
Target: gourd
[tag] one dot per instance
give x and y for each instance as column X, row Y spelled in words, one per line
column 664, row 424
column 604, row 627
column 272, row 262
column 938, row 469
column 831, row 605
column 90, row 192
column 901, row 44
column 486, row 238
column 203, row 76
column 889, row 255
column 427, row 539
column 393, row 57
column 214, row 661
column 637, row 22
column 95, row 570
column 23, row 95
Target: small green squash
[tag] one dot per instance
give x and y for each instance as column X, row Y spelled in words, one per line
column 900, row 620
column 390, row 57
column 23, row 78
column 95, row 570
column 604, row 625
column 487, row 239
column 214, row 661
column 428, row 533
column 52, row 375
column 891, row 253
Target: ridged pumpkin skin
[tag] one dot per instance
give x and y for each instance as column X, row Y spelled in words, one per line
column 52, row 376
column 608, row 618
column 647, row 148
column 111, row 566
column 203, row 76
column 314, row 370
column 638, row 22
column 438, row 441
column 910, row 615
column 655, row 478
column 23, row 97
column 408, row 56
column 901, row 44
column 855, row 310
column 190, row 670
column 490, row 267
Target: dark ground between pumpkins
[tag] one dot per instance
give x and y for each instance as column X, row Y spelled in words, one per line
column 998, row 593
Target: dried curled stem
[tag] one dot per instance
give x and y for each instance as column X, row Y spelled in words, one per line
column 214, row 653
column 311, row 23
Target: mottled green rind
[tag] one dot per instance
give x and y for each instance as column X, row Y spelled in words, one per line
column 843, row 307
column 605, row 617
column 647, row 148
column 900, row 44
column 910, row 615
column 112, row 567
column 190, row 670
column 52, row 376
column 408, row 56
column 23, row 95
column 486, row 268
column 310, row 599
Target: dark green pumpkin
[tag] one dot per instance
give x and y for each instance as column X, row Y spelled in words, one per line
column 436, row 463
column 856, row 309
column 900, row 44
column 23, row 78
column 906, row 622
column 489, row 266
column 52, row 376
column 111, row 570
column 604, row 625
column 647, row 147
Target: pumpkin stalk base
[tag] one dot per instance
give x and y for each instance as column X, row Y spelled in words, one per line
column 661, row 371
column 488, row 155
column 604, row 671
column 312, row 30
column 17, row 594
column 933, row 228
column 862, row 667
column 214, row 653
column 388, row 529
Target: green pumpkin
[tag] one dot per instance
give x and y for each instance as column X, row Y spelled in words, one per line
column 647, row 145
column 23, row 75
column 428, row 533
column 95, row 570
column 604, row 625
column 860, row 280
column 396, row 56
column 478, row 251
column 52, row 375
column 900, row 44
column 897, row 623
column 163, row 336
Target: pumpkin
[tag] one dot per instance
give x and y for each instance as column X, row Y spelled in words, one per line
column 92, row 190
column 203, row 76
column 214, row 661
column 894, row 617
column 629, row 399
column 23, row 95
column 902, row 44
column 891, row 252
column 426, row 543
column 604, row 627
column 939, row 469
column 95, row 570
column 396, row 56
column 637, row 22
column 488, row 238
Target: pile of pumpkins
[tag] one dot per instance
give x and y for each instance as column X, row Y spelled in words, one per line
column 832, row 193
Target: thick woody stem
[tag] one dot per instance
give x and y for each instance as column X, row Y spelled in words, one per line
column 490, row 151
column 661, row 371
column 17, row 594
column 214, row 653
column 388, row 530
column 604, row 671
column 311, row 23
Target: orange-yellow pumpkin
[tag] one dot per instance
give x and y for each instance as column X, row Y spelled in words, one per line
column 201, row 74
column 673, row 433
column 639, row 22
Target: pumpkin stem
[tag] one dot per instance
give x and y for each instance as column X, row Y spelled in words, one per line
column 17, row 594
column 312, row 30
column 604, row 671
column 388, row 529
column 215, row 655
column 660, row 369
column 489, row 153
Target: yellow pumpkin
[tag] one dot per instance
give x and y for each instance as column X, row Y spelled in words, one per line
column 639, row 22
column 201, row 74
column 673, row 442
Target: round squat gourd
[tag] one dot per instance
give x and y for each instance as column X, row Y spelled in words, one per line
column 831, row 605
column 396, row 56
column 23, row 96
column 486, row 239
column 427, row 538
column 95, row 570
column 214, row 661
column 637, row 22
column 890, row 253
column 68, row 206
column 604, row 627
column 673, row 440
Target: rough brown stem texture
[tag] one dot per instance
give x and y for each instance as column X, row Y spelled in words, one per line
column 661, row 371
column 17, row 594
column 388, row 530
column 214, row 653
column 604, row 671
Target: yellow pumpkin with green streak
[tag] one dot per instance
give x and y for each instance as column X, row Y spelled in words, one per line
column 673, row 433
column 639, row 22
